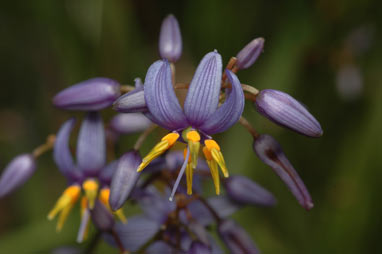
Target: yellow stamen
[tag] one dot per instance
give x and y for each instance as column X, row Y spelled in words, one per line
column 84, row 205
column 193, row 138
column 167, row 142
column 189, row 174
column 63, row 216
column 217, row 155
column 104, row 196
column 69, row 197
column 90, row 187
column 215, row 175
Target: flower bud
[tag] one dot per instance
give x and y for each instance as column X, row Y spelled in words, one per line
column 248, row 55
column 17, row 172
column 102, row 218
column 170, row 39
column 131, row 102
column 270, row 152
column 236, row 239
column 245, row 191
column 199, row 248
column 284, row 110
column 130, row 123
column 124, row 179
column 89, row 95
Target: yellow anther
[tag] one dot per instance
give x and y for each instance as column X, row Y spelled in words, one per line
column 63, row 216
column 211, row 144
column 193, row 139
column 68, row 198
column 212, row 152
column 90, row 187
column 193, row 136
column 207, row 154
column 189, row 174
column 215, row 175
column 167, row 142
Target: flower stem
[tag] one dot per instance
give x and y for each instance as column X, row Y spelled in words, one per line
column 244, row 122
column 38, row 151
column 143, row 137
column 126, row 88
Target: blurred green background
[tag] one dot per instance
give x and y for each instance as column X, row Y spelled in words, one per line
column 325, row 53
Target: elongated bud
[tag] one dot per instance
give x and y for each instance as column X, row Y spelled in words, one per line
column 236, row 238
column 248, row 55
column 131, row 102
column 270, row 152
column 17, row 172
column 170, row 39
column 245, row 191
column 124, row 179
column 284, row 110
column 102, row 218
column 199, row 248
column 92, row 94
column 130, row 123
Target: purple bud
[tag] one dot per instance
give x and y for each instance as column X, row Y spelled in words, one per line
column 284, row 110
column 248, row 55
column 199, row 248
column 236, row 238
column 102, row 217
column 270, row 152
column 170, row 39
column 124, row 179
column 245, row 191
column 130, row 123
column 17, row 172
column 89, row 95
column 131, row 102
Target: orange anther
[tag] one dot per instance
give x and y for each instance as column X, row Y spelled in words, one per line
column 207, row 153
column 171, row 138
column 104, row 195
column 73, row 192
column 90, row 184
column 193, row 136
column 211, row 144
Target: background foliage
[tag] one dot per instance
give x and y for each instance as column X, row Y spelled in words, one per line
column 325, row 53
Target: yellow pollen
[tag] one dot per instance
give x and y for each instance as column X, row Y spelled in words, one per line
column 90, row 184
column 193, row 136
column 90, row 187
column 171, row 138
column 210, row 144
column 67, row 199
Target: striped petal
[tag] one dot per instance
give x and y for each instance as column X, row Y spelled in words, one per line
column 228, row 113
column 203, row 94
column 91, row 147
column 131, row 102
column 161, row 99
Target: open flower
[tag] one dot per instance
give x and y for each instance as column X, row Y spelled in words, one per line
column 200, row 118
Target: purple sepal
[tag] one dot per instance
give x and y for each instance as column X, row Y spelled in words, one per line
column 106, row 174
column 124, row 179
column 102, row 217
column 62, row 154
column 228, row 113
column 129, row 123
column 131, row 102
column 91, row 146
column 249, row 54
column 236, row 238
column 170, row 39
column 203, row 93
column 16, row 173
column 284, row 110
column 161, row 99
column 199, row 248
column 89, row 95
column 245, row 191
column 270, row 152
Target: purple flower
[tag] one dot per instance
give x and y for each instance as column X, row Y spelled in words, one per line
column 270, row 152
column 92, row 94
column 129, row 123
column 200, row 118
column 284, row 110
column 170, row 39
column 17, row 172
column 131, row 102
column 249, row 54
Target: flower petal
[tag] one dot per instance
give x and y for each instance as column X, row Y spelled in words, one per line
column 62, row 154
column 130, row 123
column 161, row 99
column 203, row 94
column 228, row 113
column 131, row 102
column 249, row 54
column 102, row 217
column 170, row 39
column 106, row 174
column 91, row 147
column 92, row 94
column 270, row 152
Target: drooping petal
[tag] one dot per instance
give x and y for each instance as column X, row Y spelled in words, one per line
column 131, row 102
column 203, row 94
column 124, row 179
column 92, row 94
column 170, row 39
column 270, row 152
column 284, row 110
column 228, row 113
column 249, row 54
column 17, row 172
column 130, row 123
column 62, row 154
column 102, row 218
column 91, row 147
column 245, row 191
column 161, row 99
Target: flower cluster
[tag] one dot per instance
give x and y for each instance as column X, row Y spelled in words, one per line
column 175, row 214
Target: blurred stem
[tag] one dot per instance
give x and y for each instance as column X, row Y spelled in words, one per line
column 143, row 137
column 230, row 66
column 93, row 243
column 126, row 88
column 244, row 122
column 118, row 242
column 38, row 151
